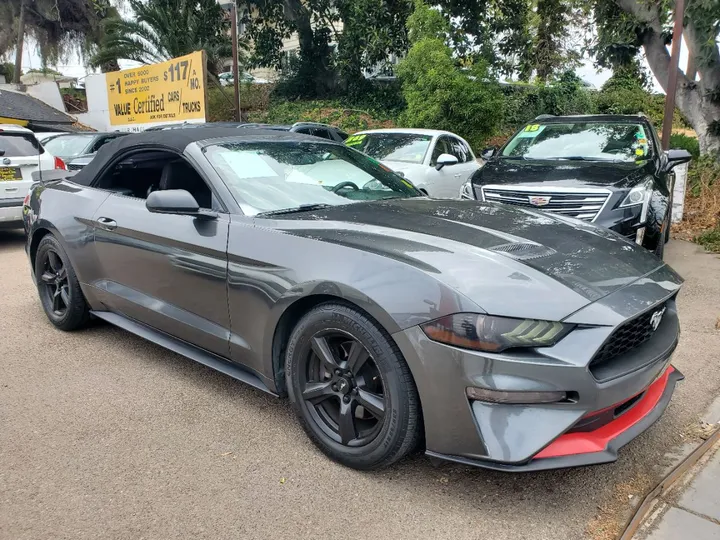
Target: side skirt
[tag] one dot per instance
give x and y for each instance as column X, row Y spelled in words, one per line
column 185, row 349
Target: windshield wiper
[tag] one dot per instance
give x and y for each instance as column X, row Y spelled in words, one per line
column 295, row 209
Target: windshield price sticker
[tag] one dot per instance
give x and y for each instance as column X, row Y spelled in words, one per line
column 355, row 140
column 531, row 131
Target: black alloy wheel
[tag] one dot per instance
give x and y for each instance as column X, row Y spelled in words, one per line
column 342, row 388
column 351, row 388
column 54, row 279
column 60, row 293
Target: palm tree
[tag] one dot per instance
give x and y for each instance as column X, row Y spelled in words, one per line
column 164, row 29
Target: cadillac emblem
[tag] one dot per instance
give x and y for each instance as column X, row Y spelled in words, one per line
column 656, row 318
column 539, row 201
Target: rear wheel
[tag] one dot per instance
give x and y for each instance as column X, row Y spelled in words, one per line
column 351, row 388
column 58, row 287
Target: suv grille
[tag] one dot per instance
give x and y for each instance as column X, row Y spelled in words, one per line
column 582, row 204
column 628, row 336
column 74, row 167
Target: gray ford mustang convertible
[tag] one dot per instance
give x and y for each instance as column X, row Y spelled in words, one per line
column 489, row 335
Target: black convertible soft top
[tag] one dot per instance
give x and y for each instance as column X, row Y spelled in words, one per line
column 177, row 140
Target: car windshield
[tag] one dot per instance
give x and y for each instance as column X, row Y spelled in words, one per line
column 591, row 141
column 405, row 147
column 68, row 145
column 275, row 176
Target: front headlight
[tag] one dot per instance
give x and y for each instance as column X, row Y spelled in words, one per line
column 466, row 191
column 638, row 195
column 494, row 334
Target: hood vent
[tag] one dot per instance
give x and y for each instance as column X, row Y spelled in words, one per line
column 524, row 251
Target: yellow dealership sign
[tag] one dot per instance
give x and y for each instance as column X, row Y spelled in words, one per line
column 172, row 91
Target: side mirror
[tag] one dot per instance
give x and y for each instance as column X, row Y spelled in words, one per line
column 175, row 201
column 445, row 159
column 677, row 157
column 487, row 153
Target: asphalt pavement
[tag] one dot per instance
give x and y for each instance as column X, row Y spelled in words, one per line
column 104, row 435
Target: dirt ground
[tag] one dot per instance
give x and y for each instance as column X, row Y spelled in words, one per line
column 104, row 435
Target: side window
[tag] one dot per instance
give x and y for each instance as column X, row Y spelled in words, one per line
column 457, row 149
column 139, row 174
column 465, row 149
column 322, row 132
column 343, row 136
column 304, row 131
column 441, row 147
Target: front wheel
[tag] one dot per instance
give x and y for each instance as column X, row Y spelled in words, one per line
column 351, row 388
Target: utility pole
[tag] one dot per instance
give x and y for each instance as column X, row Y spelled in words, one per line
column 671, row 89
column 236, row 70
column 20, row 40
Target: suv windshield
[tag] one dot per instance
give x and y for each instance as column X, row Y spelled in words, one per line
column 66, row 146
column 268, row 177
column 18, row 145
column 591, row 141
column 405, row 147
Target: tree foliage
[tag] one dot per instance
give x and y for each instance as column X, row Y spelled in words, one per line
column 59, row 27
column 162, row 29
column 439, row 93
column 627, row 26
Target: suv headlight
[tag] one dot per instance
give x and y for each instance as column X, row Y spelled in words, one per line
column 639, row 194
column 466, row 191
column 494, row 334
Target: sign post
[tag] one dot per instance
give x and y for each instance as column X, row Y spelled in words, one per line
column 172, row 91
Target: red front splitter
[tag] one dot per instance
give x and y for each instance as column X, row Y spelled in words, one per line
column 598, row 440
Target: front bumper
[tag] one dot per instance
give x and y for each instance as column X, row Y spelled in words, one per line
column 531, row 436
column 593, row 447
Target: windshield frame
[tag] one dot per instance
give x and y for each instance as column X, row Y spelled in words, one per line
column 650, row 133
column 247, row 209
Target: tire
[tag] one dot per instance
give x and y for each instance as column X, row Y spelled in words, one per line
column 666, row 239
column 58, row 287
column 318, row 389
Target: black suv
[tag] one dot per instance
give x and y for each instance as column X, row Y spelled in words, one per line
column 606, row 169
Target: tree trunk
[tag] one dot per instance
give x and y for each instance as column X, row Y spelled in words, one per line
column 693, row 98
column 20, row 41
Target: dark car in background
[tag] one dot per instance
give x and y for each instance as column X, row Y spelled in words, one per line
column 315, row 129
column 78, row 149
column 606, row 169
column 495, row 336
column 72, row 145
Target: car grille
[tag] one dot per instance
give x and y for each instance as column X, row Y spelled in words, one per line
column 582, row 204
column 74, row 167
column 627, row 337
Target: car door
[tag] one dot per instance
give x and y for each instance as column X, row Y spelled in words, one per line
column 166, row 271
column 446, row 182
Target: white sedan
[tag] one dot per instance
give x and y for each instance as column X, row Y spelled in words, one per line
column 436, row 162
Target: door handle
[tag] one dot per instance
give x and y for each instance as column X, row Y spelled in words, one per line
column 106, row 223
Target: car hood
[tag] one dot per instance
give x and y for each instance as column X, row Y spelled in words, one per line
column 563, row 173
column 508, row 260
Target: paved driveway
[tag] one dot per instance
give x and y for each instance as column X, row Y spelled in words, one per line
column 103, row 435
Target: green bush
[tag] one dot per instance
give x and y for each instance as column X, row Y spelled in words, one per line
column 685, row 142
column 253, row 97
column 327, row 112
column 441, row 96
column 710, row 240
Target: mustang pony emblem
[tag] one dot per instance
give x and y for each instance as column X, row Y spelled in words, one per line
column 539, row 201
column 656, row 318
